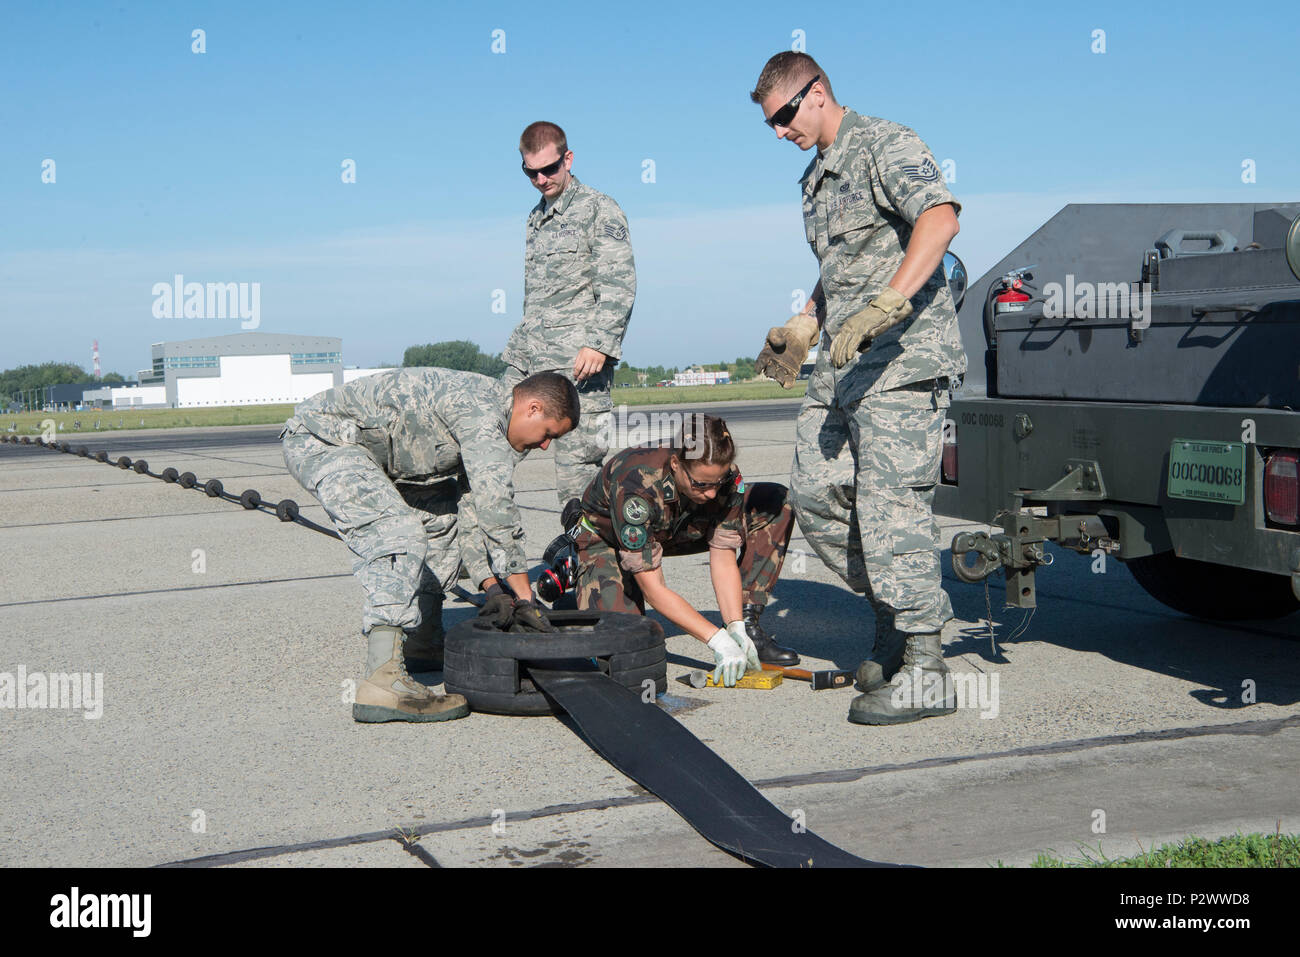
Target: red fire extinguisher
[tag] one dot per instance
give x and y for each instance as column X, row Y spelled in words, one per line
column 1011, row 295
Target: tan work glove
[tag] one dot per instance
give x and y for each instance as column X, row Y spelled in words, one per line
column 787, row 348
column 881, row 314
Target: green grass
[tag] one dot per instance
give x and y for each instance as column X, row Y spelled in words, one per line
column 731, row 392
column 1238, row 850
column 110, row 420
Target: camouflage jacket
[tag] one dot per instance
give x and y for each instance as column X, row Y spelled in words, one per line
column 579, row 282
column 423, row 426
column 632, row 505
column 860, row 200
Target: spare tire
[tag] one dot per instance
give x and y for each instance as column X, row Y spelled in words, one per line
column 490, row 667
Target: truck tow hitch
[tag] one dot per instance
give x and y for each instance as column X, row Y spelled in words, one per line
column 1019, row 548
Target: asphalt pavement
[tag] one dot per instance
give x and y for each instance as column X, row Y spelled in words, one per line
column 225, row 642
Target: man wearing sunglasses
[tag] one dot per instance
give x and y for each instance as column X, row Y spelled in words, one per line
column 879, row 218
column 579, row 286
column 686, row 498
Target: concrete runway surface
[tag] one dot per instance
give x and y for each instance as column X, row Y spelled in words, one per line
column 225, row 641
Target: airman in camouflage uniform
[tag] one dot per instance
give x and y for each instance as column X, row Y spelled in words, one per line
column 415, row 467
column 579, row 286
column 868, row 445
column 634, row 513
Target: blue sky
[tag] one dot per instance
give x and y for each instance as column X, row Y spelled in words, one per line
column 225, row 166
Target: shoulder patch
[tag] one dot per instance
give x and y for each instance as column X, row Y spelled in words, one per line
column 926, row 172
column 632, row 536
column 616, row 231
column 670, row 489
column 636, row 511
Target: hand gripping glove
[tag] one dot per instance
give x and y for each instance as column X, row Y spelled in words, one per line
column 728, row 658
column 736, row 629
column 881, row 314
column 499, row 607
column 787, row 348
column 528, row 617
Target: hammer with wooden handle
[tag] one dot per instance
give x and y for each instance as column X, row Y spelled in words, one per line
column 820, row 680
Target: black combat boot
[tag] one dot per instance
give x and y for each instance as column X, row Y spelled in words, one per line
column 769, row 652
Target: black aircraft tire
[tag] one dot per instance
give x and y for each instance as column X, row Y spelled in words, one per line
column 490, row 667
column 1216, row 592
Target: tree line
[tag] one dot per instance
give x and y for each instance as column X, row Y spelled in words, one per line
column 22, row 378
column 468, row 357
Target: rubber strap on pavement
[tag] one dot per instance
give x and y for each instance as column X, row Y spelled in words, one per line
column 659, row 753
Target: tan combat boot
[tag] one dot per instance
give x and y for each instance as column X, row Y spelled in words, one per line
column 922, row 688
column 390, row 694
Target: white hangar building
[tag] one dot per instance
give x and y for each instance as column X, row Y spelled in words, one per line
column 246, row 368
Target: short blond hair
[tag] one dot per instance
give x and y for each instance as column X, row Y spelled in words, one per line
column 789, row 69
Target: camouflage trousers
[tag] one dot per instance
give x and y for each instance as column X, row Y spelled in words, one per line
column 766, row 525
column 863, row 488
column 580, row 453
column 403, row 541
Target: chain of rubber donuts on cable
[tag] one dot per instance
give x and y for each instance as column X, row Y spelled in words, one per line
column 285, row 510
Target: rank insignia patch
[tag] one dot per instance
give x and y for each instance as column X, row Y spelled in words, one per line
column 927, row 172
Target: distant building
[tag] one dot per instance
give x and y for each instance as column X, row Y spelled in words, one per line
column 126, row 395
column 701, row 378
column 245, row 368
column 351, row 375
column 248, row 368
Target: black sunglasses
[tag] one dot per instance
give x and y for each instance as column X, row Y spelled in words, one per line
column 723, row 482
column 546, row 171
column 785, row 114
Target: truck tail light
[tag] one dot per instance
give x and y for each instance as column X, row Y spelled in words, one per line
column 1282, row 488
column 950, row 456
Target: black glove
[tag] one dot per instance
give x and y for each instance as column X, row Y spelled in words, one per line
column 499, row 608
column 528, row 617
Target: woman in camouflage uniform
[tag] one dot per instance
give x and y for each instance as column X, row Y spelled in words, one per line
column 684, row 499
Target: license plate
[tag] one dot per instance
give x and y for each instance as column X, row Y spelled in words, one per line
column 1206, row 471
